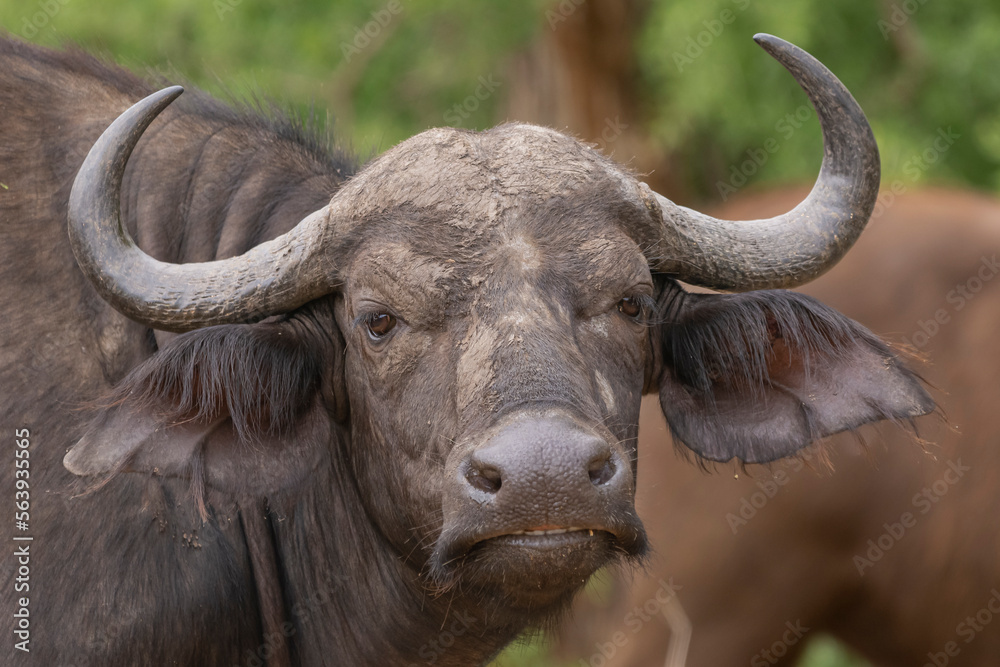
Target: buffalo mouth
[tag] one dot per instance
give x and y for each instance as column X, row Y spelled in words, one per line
column 544, row 539
column 533, row 567
column 534, row 506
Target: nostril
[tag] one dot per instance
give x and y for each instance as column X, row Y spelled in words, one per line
column 601, row 470
column 486, row 479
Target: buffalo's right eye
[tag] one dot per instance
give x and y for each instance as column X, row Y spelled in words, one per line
column 630, row 307
column 380, row 324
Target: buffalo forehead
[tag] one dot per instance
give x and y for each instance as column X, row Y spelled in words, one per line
column 506, row 271
column 470, row 180
column 526, row 196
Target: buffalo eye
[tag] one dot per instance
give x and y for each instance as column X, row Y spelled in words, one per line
column 380, row 324
column 630, row 307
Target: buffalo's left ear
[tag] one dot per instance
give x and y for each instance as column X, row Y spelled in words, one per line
column 759, row 375
column 247, row 409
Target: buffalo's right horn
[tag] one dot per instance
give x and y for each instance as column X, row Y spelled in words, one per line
column 793, row 248
column 273, row 277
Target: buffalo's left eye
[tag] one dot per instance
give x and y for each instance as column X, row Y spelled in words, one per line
column 380, row 324
column 630, row 307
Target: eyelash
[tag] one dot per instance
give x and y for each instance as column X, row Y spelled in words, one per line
column 647, row 306
column 369, row 320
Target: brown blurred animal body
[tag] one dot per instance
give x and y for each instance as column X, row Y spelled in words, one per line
column 896, row 553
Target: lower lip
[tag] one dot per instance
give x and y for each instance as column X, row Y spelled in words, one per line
column 549, row 539
column 552, row 531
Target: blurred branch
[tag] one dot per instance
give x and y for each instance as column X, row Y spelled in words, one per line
column 907, row 43
column 349, row 74
column 581, row 75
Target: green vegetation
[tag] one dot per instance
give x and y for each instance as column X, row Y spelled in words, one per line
column 914, row 73
column 827, row 652
column 389, row 68
column 385, row 69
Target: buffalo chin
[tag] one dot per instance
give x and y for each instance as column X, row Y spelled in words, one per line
column 534, row 572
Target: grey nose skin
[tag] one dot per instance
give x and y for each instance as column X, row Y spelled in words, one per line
column 546, row 472
column 550, row 458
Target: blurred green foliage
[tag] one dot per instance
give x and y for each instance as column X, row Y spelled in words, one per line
column 916, row 66
column 387, row 69
column 824, row 651
column 529, row 654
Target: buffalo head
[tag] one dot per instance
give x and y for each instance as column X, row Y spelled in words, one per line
column 467, row 329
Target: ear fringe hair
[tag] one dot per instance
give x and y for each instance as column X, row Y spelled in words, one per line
column 259, row 377
column 729, row 338
column 714, row 342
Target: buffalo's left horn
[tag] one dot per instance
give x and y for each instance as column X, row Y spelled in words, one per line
column 793, row 248
column 273, row 277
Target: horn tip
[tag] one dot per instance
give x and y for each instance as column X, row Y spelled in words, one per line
column 770, row 43
column 172, row 92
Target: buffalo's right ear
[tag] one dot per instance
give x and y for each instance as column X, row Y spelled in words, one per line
column 246, row 409
column 759, row 375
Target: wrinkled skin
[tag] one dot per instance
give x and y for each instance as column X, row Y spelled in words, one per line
column 445, row 443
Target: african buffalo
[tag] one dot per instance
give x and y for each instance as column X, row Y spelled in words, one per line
column 383, row 416
column 894, row 552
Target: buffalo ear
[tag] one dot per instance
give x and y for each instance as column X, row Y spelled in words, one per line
column 759, row 375
column 238, row 408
